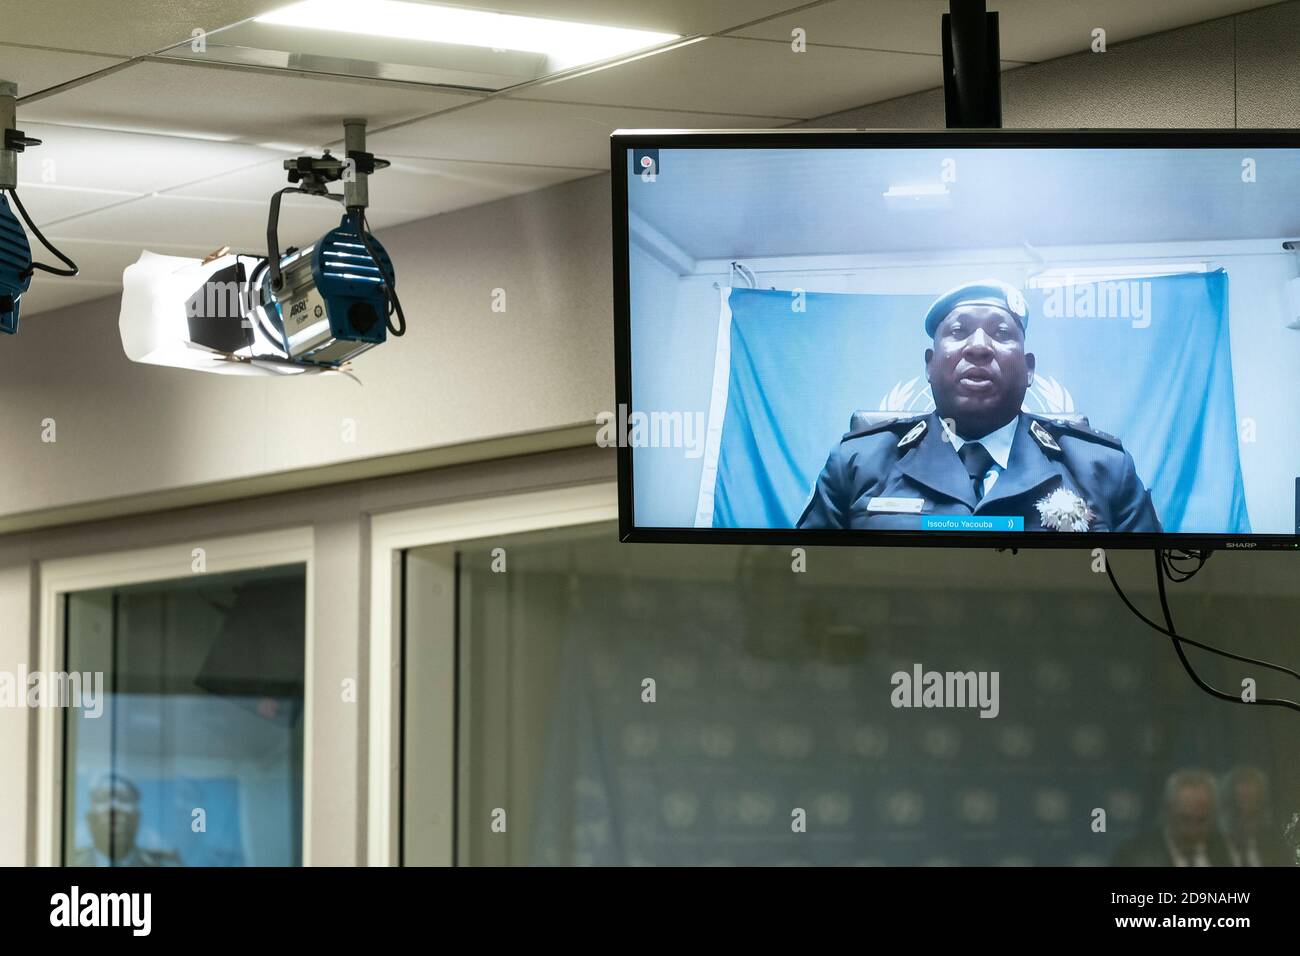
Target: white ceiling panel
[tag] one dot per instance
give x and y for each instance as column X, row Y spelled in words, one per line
column 409, row 189
column 123, row 27
column 750, row 76
column 49, row 204
column 1029, row 30
column 253, row 183
column 74, row 157
column 439, row 186
column 683, row 17
column 101, row 262
column 186, row 221
column 538, row 133
column 234, row 105
column 36, row 70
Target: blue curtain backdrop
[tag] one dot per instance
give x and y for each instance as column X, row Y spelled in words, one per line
column 1164, row 389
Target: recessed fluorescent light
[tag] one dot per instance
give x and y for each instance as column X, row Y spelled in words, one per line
column 568, row 42
column 924, row 189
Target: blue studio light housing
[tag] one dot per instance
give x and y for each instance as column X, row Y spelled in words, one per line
column 332, row 305
column 15, row 266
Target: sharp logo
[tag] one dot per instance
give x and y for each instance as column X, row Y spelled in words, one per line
column 1240, row 544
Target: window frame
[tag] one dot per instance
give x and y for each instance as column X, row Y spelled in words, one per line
column 63, row 576
column 391, row 535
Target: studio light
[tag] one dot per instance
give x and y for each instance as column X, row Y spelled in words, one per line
column 16, row 265
column 312, row 309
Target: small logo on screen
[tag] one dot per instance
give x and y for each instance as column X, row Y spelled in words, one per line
column 645, row 162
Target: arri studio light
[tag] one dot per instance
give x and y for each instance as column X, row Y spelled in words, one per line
column 16, row 265
column 312, row 309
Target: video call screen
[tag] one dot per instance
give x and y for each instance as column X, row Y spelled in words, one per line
column 1052, row 338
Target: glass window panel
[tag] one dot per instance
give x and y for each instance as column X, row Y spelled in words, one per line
column 773, row 694
column 196, row 758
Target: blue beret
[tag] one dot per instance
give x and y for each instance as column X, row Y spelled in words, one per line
column 981, row 292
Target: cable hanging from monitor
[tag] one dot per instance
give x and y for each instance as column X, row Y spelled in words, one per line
column 71, row 269
column 1179, row 566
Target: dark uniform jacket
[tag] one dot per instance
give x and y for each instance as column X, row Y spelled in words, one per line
column 89, row 856
column 1151, row 849
column 878, row 478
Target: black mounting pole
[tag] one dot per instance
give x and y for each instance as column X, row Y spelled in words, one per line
column 972, row 80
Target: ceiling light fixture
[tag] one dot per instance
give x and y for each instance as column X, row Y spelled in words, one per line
column 568, row 43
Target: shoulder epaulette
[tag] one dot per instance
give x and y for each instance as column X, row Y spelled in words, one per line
column 889, row 424
column 1077, row 429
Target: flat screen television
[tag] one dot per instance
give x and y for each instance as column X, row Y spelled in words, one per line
column 986, row 338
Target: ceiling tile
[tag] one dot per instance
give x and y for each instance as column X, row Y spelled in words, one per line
column 1036, row 30
column 744, row 77
column 906, row 26
column 420, row 187
column 1100, row 90
column 1029, row 30
column 235, row 105
column 409, row 189
column 123, row 27
column 49, row 204
column 538, row 133
column 74, row 157
column 101, row 262
column 253, row 184
column 205, row 223
column 683, row 17
column 36, row 70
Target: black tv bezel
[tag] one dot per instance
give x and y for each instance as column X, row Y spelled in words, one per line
column 623, row 140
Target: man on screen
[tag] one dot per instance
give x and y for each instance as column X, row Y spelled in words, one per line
column 978, row 454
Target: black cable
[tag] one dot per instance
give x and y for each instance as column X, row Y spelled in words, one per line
column 1179, row 574
column 1161, row 572
column 71, row 269
column 1178, row 640
column 1170, row 633
column 258, row 311
column 388, row 281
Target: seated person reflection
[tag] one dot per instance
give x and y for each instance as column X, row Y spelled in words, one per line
column 978, row 453
column 1188, row 835
column 1251, row 837
column 114, row 823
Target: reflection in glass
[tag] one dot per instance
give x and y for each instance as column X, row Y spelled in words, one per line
column 196, row 759
column 771, row 705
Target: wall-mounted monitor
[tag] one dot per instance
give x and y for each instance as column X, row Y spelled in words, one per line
column 987, row 338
